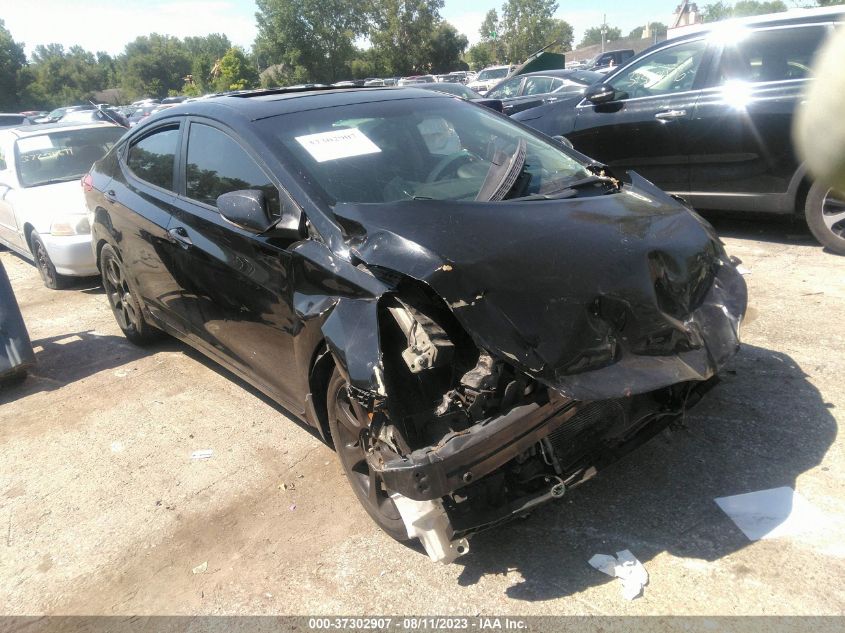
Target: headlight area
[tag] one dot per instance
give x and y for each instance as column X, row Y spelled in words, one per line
column 464, row 442
column 67, row 225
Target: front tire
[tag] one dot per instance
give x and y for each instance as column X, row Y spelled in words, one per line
column 825, row 213
column 346, row 422
column 124, row 305
column 44, row 264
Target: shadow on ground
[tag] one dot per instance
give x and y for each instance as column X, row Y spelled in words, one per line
column 775, row 229
column 762, row 427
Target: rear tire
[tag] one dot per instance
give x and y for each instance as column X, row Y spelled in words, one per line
column 121, row 298
column 346, row 424
column 825, row 213
column 44, row 264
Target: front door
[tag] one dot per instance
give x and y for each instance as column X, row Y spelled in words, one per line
column 742, row 157
column 142, row 196
column 643, row 129
column 237, row 286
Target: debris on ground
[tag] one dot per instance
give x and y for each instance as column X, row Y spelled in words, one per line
column 287, row 486
column 627, row 568
column 204, row 453
column 771, row 513
column 201, row 568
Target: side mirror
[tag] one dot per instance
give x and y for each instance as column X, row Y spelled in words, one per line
column 564, row 141
column 247, row 209
column 602, row 93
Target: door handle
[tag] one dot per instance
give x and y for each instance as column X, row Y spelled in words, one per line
column 110, row 195
column 670, row 115
column 180, row 236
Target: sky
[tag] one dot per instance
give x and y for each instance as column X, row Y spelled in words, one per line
column 108, row 25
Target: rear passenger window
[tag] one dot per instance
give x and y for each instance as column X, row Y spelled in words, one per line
column 218, row 165
column 152, row 158
column 773, row 55
column 537, row 85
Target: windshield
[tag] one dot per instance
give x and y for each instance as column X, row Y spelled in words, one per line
column 62, row 155
column 453, row 89
column 493, row 73
column 433, row 149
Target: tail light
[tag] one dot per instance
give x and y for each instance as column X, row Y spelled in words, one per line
column 87, row 183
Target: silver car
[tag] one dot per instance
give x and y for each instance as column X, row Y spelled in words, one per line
column 42, row 209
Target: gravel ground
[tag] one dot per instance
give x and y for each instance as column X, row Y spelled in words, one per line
column 103, row 511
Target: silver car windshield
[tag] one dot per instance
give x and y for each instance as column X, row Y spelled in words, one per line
column 438, row 148
column 62, row 155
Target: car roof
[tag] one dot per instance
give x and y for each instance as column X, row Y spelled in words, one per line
column 784, row 18
column 261, row 104
column 41, row 128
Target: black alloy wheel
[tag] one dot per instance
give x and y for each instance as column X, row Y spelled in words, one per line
column 123, row 303
column 825, row 213
column 348, row 425
column 44, row 264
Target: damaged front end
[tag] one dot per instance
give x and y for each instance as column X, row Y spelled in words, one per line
column 500, row 377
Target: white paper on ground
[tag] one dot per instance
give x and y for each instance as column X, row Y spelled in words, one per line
column 627, row 568
column 34, row 143
column 337, row 144
column 771, row 513
column 204, row 453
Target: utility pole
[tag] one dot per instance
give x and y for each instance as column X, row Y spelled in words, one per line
column 603, row 31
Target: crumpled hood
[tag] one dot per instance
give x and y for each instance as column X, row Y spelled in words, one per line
column 597, row 297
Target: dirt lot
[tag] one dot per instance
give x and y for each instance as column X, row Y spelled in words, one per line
column 104, row 512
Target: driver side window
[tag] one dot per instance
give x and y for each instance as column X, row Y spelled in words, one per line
column 666, row 71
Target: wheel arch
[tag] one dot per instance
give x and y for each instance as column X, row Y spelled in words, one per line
column 319, row 374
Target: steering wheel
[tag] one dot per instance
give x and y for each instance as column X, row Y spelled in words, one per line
column 450, row 161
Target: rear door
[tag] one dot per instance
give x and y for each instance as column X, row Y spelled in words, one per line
column 140, row 198
column 236, row 285
column 742, row 157
column 644, row 129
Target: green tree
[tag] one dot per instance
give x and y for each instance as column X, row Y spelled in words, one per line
column 491, row 35
column 447, row 47
column 236, row 71
column 593, row 35
column 309, row 40
column 527, row 26
column 480, row 56
column 12, row 67
column 401, row 31
column 657, row 28
column 723, row 10
column 204, row 52
column 62, row 77
column 153, row 65
column 561, row 31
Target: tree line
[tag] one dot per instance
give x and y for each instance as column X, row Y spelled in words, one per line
column 300, row 41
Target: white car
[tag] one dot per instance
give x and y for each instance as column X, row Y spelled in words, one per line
column 488, row 78
column 42, row 208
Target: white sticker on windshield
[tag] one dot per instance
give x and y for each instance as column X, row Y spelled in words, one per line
column 34, row 143
column 337, row 144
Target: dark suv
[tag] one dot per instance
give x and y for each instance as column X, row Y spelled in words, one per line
column 476, row 316
column 709, row 115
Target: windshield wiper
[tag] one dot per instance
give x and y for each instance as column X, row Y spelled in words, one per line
column 570, row 190
column 503, row 174
column 53, row 181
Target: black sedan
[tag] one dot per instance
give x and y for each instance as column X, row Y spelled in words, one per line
column 708, row 116
column 475, row 316
column 534, row 89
